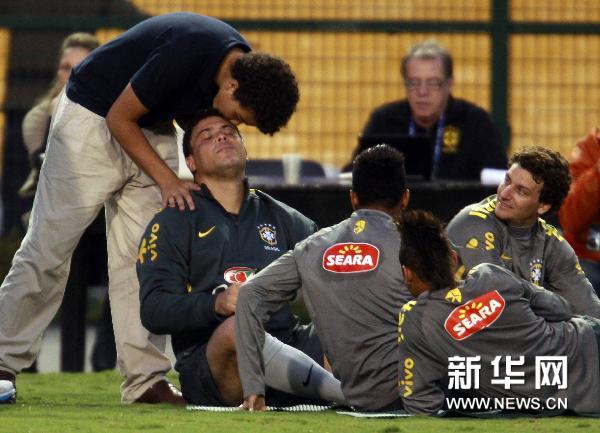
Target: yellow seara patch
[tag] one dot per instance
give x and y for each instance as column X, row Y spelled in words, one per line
column 474, row 306
column 347, row 248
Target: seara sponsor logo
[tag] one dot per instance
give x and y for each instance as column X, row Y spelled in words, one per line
column 475, row 315
column 239, row 274
column 350, row 258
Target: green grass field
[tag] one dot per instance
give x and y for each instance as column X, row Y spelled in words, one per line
column 65, row 403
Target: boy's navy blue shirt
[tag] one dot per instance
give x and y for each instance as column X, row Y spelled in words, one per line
column 170, row 60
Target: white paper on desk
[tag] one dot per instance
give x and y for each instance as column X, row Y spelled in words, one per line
column 492, row 176
column 345, row 178
column 347, row 175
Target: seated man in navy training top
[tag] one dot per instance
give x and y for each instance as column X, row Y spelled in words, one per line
column 191, row 266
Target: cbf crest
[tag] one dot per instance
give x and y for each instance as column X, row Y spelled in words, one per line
column 451, row 139
column 535, row 272
column 268, row 233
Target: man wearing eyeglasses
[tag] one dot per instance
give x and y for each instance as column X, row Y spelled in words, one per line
column 463, row 138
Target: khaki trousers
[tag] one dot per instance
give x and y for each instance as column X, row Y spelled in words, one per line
column 85, row 169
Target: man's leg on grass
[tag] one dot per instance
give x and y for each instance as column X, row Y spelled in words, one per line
column 286, row 369
column 141, row 357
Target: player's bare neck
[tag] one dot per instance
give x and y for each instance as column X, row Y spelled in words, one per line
column 395, row 212
column 228, row 192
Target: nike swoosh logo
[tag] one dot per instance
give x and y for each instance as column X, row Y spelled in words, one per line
column 307, row 381
column 206, row 233
column 505, row 257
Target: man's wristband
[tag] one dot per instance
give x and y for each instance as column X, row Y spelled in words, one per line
column 219, row 289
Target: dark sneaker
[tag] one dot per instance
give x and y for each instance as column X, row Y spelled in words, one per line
column 162, row 392
column 8, row 389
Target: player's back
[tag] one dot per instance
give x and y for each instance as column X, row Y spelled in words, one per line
column 506, row 327
column 353, row 288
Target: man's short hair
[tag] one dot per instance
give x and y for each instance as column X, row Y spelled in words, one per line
column 429, row 49
column 549, row 167
column 201, row 115
column 86, row 41
column 378, row 176
column 266, row 86
column 425, row 249
column 83, row 40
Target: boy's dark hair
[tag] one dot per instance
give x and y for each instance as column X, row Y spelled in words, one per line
column 549, row 167
column 266, row 86
column 378, row 176
column 425, row 249
column 200, row 115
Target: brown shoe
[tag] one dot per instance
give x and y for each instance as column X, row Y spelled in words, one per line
column 8, row 393
column 162, row 391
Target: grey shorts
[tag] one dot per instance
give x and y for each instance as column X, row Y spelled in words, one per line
column 199, row 388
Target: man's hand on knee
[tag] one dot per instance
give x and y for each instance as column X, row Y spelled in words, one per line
column 226, row 301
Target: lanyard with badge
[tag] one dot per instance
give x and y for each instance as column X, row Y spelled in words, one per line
column 439, row 137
